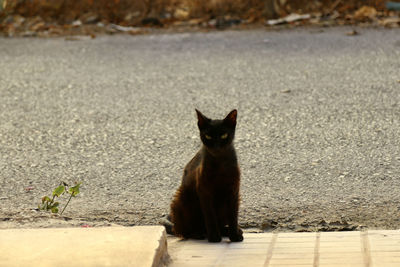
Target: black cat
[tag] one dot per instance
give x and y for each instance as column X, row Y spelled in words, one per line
column 207, row 201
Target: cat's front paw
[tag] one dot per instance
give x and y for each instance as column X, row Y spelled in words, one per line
column 237, row 236
column 214, row 238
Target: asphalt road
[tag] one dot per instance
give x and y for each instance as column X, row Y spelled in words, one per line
column 317, row 137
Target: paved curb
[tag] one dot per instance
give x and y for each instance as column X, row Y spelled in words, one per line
column 140, row 246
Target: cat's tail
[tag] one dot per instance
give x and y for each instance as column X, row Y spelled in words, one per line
column 166, row 222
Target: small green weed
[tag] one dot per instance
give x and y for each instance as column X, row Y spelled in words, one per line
column 49, row 204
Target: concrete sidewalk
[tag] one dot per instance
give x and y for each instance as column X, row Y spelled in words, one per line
column 141, row 246
column 327, row 249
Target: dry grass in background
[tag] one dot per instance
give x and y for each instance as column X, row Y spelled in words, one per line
column 133, row 11
column 91, row 17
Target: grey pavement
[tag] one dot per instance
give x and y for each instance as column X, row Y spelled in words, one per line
column 317, row 137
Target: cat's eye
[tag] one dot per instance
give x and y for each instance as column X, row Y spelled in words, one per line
column 224, row 136
column 208, row 137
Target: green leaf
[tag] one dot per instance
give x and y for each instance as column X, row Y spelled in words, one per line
column 74, row 190
column 59, row 191
column 45, row 199
column 54, row 210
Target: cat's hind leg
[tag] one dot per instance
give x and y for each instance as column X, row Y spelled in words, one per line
column 187, row 218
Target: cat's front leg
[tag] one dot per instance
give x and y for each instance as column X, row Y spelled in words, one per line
column 235, row 233
column 213, row 233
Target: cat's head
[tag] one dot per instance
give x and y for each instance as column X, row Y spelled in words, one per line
column 217, row 134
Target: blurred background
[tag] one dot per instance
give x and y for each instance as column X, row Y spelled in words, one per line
column 58, row 17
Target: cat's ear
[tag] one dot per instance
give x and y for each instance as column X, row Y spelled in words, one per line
column 202, row 120
column 230, row 119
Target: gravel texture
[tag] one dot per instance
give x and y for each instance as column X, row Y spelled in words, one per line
column 317, row 136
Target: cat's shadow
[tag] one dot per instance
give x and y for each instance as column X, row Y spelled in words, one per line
column 225, row 240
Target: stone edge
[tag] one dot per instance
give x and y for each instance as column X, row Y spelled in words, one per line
column 161, row 257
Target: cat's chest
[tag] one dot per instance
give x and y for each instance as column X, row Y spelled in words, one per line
column 222, row 173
